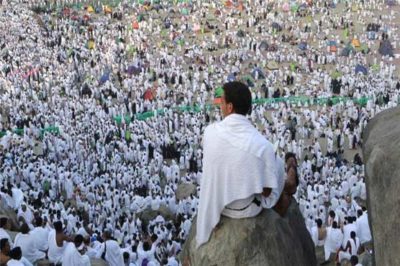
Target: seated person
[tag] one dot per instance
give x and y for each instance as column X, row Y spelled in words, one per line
column 28, row 244
column 241, row 172
column 16, row 258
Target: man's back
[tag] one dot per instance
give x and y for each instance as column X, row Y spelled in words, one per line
column 41, row 236
column 228, row 151
column 72, row 257
column 238, row 164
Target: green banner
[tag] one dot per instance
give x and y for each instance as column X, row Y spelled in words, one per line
column 292, row 100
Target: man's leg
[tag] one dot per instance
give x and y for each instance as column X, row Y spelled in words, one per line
column 290, row 188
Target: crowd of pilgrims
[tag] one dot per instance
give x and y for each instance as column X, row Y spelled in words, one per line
column 88, row 181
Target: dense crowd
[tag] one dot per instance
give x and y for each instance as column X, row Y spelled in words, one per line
column 102, row 116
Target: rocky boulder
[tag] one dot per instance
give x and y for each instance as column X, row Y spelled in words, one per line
column 184, row 190
column 148, row 214
column 6, row 211
column 267, row 239
column 381, row 153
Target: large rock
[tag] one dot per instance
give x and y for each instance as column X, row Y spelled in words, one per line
column 6, row 211
column 381, row 156
column 267, row 239
column 184, row 190
column 148, row 214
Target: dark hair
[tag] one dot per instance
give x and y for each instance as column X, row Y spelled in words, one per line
column 319, row 223
column 334, row 224
column 352, row 234
column 3, row 222
column 332, row 214
column 39, row 221
column 15, row 253
column 354, row 260
column 146, row 246
column 78, row 240
column 107, row 234
column 153, row 238
column 58, row 226
column 289, row 155
column 3, row 243
column 238, row 94
column 24, row 228
column 126, row 256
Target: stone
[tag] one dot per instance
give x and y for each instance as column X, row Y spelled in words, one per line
column 184, row 190
column 381, row 153
column 6, row 211
column 148, row 214
column 267, row 239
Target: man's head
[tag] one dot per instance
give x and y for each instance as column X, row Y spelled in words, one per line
column 3, row 222
column 354, row 260
column 348, row 199
column 334, row 225
column 107, row 235
column 4, row 246
column 319, row 223
column 38, row 221
column 78, row 241
column 58, row 227
column 15, row 253
column 24, row 228
column 290, row 159
column 236, row 99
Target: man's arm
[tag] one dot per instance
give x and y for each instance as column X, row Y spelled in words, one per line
column 266, row 191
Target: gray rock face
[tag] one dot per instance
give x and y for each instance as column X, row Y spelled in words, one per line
column 267, row 239
column 147, row 215
column 184, row 190
column 381, row 154
column 9, row 213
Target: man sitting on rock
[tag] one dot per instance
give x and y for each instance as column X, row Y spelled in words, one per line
column 241, row 172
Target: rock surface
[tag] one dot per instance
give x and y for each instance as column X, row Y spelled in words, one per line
column 6, row 211
column 148, row 214
column 381, row 154
column 184, row 190
column 265, row 240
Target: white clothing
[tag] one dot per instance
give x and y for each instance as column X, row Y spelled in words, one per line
column 72, row 257
column 363, row 229
column 15, row 263
column 113, row 253
column 4, row 234
column 55, row 252
column 347, row 229
column 251, row 159
column 333, row 241
column 149, row 254
column 41, row 236
column 346, row 254
column 315, row 237
column 27, row 243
